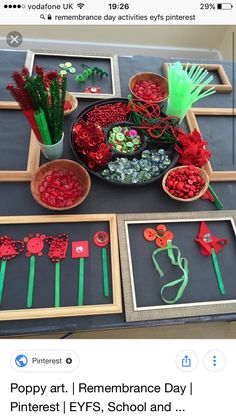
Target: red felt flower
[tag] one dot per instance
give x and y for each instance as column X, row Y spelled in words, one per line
column 191, row 149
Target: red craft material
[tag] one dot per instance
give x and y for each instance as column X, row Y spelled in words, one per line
column 192, row 149
column 149, row 90
column 93, row 90
column 67, row 105
column 35, row 244
column 80, row 249
column 161, row 235
column 208, row 196
column 10, row 248
column 29, row 114
column 90, row 143
column 60, row 189
column 185, row 182
column 57, row 247
column 101, row 239
column 109, row 114
column 207, row 240
column 149, row 112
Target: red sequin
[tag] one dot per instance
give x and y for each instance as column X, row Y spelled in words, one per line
column 90, row 143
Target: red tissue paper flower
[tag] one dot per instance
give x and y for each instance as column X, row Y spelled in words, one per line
column 191, row 149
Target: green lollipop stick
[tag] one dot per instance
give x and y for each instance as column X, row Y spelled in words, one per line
column 34, row 246
column 80, row 250
column 2, row 277
column 218, row 273
column 31, row 282
column 105, row 272
column 57, row 283
column 81, row 283
column 101, row 239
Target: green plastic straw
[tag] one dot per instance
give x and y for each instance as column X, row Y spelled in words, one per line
column 186, row 87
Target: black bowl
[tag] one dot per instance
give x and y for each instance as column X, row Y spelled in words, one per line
column 169, row 148
column 128, row 155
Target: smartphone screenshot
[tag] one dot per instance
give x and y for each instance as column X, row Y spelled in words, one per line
column 117, row 209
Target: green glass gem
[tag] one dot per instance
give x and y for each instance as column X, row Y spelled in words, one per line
column 145, row 154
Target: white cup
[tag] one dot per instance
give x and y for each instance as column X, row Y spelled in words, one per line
column 53, row 151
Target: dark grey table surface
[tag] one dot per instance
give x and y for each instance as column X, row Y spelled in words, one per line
column 16, row 198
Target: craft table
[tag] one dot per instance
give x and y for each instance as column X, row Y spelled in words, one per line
column 16, row 197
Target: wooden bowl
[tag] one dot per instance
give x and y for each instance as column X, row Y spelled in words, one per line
column 46, row 169
column 73, row 101
column 202, row 173
column 162, row 81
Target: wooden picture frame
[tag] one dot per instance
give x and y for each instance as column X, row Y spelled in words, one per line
column 166, row 311
column 113, row 60
column 115, row 307
column 33, row 155
column 216, row 176
column 224, row 87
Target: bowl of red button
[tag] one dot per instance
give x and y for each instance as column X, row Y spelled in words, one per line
column 71, row 103
column 185, row 183
column 60, row 185
column 149, row 87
